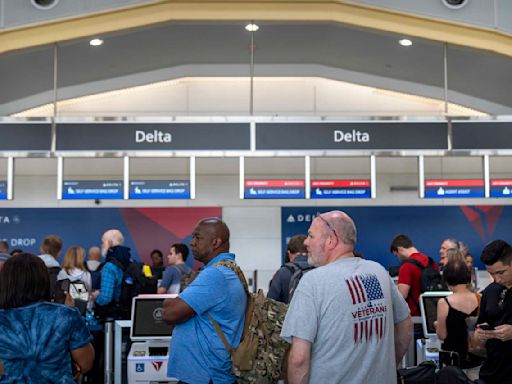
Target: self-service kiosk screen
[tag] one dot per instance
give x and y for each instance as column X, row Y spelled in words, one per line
column 429, row 310
column 148, row 320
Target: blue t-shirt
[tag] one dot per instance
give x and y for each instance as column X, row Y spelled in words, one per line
column 171, row 279
column 197, row 354
column 36, row 342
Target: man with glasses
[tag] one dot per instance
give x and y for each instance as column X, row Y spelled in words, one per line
column 347, row 322
column 446, row 245
column 494, row 325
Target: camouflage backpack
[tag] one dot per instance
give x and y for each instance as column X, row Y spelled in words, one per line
column 260, row 356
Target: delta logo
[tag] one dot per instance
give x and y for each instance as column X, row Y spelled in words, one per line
column 157, row 365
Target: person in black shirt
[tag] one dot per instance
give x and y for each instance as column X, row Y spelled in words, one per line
column 496, row 315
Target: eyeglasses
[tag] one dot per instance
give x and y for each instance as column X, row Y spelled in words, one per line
column 318, row 215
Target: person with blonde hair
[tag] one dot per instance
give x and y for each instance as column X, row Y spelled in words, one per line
column 454, row 254
column 73, row 267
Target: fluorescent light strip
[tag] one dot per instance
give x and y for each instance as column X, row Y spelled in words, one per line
column 307, row 176
column 126, row 178
column 10, row 177
column 192, row 177
column 242, row 177
column 60, row 175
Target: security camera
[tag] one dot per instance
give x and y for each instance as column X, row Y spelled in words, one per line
column 455, row 4
column 44, row 4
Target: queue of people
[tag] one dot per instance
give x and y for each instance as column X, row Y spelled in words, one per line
column 347, row 321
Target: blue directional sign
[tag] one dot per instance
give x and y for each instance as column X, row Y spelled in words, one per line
column 3, row 190
column 160, row 189
column 340, row 189
column 92, row 189
column 274, row 189
column 446, row 189
column 501, row 188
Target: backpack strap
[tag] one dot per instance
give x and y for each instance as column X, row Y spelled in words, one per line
column 221, row 334
column 235, row 268
column 421, row 267
column 417, row 263
column 248, row 310
column 292, row 267
column 117, row 263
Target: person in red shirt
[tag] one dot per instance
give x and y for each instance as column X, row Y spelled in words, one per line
column 409, row 274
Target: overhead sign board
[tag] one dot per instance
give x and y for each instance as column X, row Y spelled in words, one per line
column 446, row 189
column 159, row 189
column 501, row 188
column 125, row 136
column 26, row 136
column 340, row 189
column 3, row 190
column 92, row 189
column 482, row 135
column 274, row 189
column 352, row 136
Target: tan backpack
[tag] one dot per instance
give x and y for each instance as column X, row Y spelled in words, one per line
column 260, row 356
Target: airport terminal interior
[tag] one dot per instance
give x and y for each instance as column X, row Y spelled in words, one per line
column 149, row 115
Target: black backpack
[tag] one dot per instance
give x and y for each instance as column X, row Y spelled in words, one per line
column 134, row 283
column 430, row 277
column 297, row 273
column 186, row 278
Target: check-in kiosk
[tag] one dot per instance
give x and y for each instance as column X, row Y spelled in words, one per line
column 428, row 348
column 151, row 336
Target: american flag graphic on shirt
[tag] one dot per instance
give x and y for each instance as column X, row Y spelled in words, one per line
column 369, row 318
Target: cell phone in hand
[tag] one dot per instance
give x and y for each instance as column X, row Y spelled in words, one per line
column 486, row 327
column 64, row 285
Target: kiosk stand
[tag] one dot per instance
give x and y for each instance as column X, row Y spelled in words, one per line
column 429, row 347
column 149, row 353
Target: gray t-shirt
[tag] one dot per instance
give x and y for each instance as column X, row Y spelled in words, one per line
column 347, row 310
column 171, row 279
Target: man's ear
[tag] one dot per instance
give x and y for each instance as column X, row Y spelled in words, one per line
column 216, row 242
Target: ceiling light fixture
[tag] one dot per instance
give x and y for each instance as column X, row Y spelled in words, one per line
column 405, row 42
column 96, row 42
column 252, row 27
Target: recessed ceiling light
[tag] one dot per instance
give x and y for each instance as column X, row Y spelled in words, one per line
column 95, row 42
column 252, row 27
column 405, row 42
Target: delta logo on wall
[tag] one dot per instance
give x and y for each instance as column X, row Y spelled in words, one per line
column 144, row 229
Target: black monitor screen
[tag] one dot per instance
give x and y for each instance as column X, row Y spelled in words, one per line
column 429, row 310
column 430, row 305
column 148, row 320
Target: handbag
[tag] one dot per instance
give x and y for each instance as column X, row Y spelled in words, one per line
column 425, row 373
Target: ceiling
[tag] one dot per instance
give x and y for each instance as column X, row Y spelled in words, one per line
column 286, row 49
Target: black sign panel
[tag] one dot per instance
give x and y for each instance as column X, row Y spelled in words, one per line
column 25, row 136
column 352, row 135
column 482, row 135
column 152, row 136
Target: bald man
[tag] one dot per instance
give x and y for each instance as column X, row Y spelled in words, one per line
column 347, row 322
column 197, row 354
column 118, row 258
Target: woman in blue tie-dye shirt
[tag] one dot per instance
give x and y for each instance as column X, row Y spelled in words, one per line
column 39, row 340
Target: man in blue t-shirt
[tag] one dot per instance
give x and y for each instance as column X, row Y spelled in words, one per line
column 176, row 269
column 197, row 355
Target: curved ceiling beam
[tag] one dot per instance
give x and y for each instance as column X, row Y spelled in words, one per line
column 263, row 10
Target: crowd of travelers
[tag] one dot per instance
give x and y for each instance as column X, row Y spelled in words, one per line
column 346, row 320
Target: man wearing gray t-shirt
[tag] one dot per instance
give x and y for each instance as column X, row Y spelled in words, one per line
column 347, row 322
